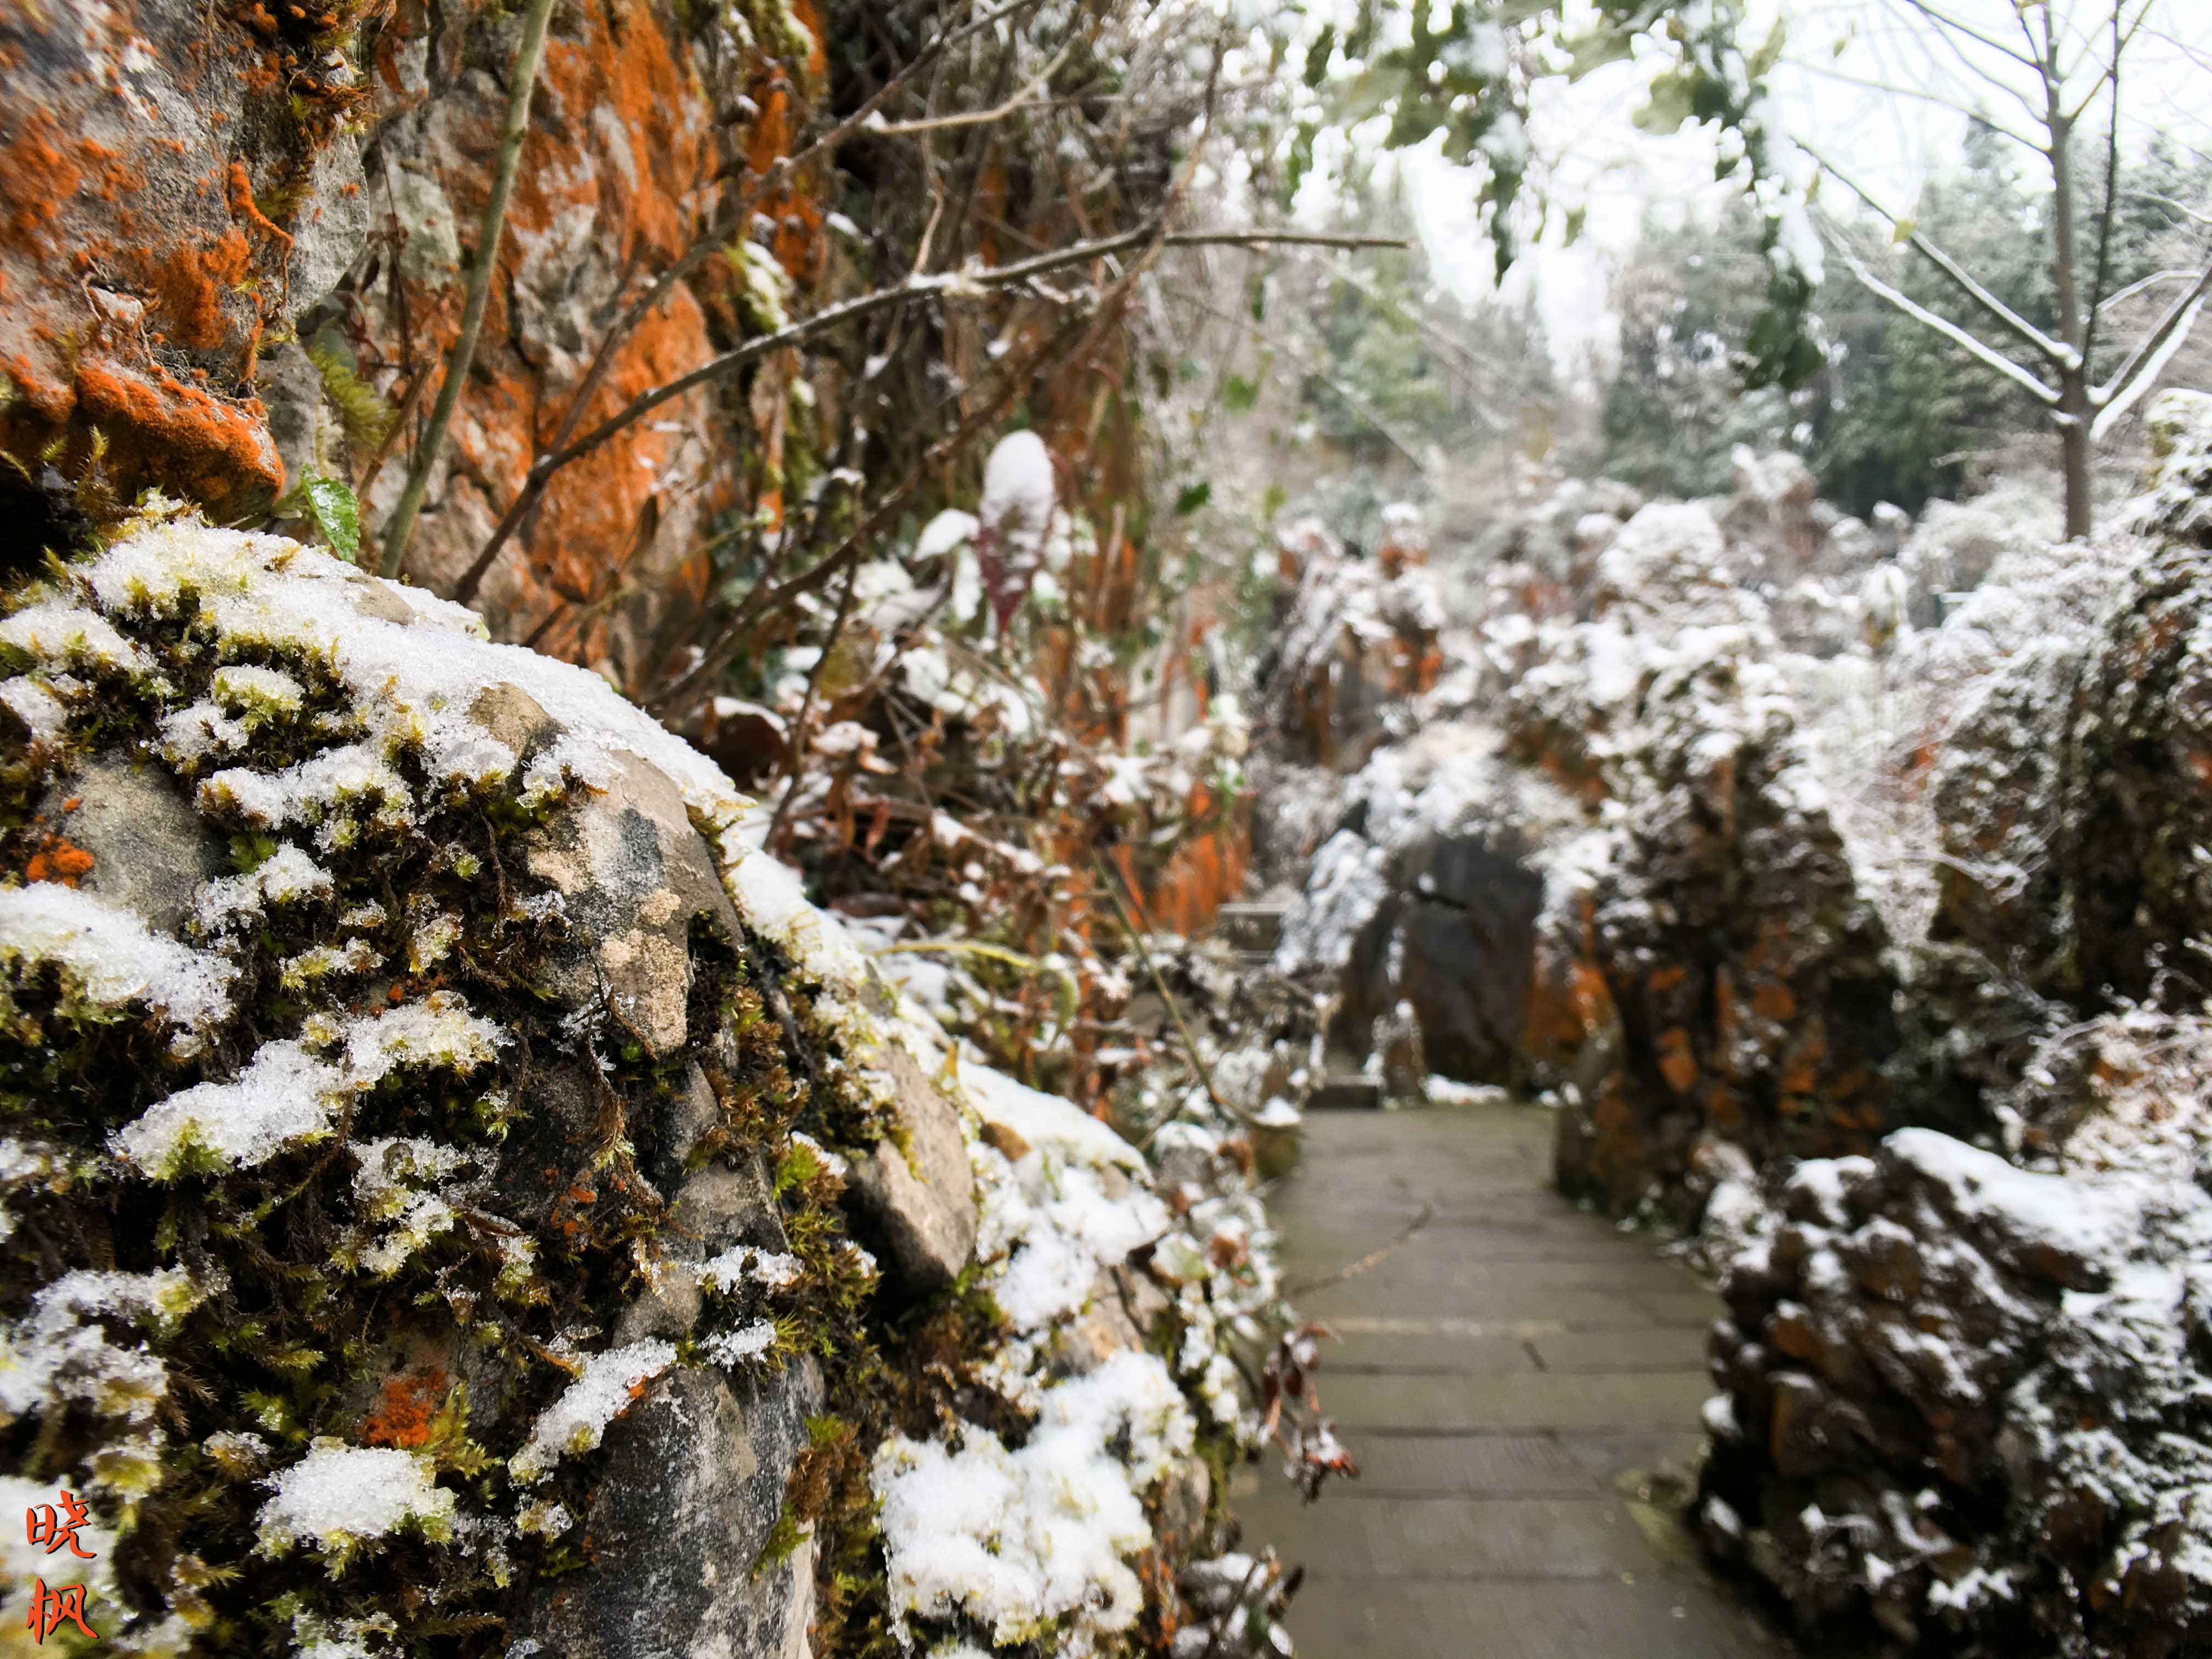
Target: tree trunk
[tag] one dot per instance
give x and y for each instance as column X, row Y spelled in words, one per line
column 2075, row 460
column 2073, row 409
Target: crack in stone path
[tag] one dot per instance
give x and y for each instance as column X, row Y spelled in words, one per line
column 1515, row 1381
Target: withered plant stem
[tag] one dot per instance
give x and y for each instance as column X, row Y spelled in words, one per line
column 528, row 57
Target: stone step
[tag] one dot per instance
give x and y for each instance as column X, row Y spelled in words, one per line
column 1347, row 1092
column 1252, row 926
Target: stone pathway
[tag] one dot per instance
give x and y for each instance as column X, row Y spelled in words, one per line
column 1509, row 1379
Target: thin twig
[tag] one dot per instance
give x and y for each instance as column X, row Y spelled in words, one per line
column 1069, row 340
column 1114, row 881
column 703, row 247
column 795, row 759
column 952, row 284
column 527, row 59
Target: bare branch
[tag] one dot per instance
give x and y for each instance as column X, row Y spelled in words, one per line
column 1894, row 90
column 1944, row 22
column 2157, row 278
column 2152, row 349
column 2123, row 39
column 2182, row 208
column 2104, row 219
column 726, row 224
column 953, row 285
column 2062, row 356
column 974, row 117
column 1950, row 331
column 2148, row 372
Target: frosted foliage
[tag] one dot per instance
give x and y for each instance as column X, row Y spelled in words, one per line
column 338, row 1498
column 39, row 710
column 61, row 1353
column 108, row 956
column 414, row 676
column 288, row 1094
column 746, row 1342
column 285, row 1096
column 748, row 1264
column 1019, row 492
column 1030, row 1542
column 577, row 1421
column 1348, row 885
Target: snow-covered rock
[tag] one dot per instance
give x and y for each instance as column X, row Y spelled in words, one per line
column 437, row 1135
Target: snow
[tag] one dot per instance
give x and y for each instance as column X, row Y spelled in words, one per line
column 1019, row 494
column 284, row 876
column 58, row 632
column 38, row 709
column 745, row 1264
column 413, row 663
column 288, row 1095
column 438, row 1031
column 734, row 1347
column 338, row 1498
column 1046, row 1121
column 575, row 1423
column 58, row 1354
column 109, row 957
column 387, row 1187
column 1031, row 1542
column 285, row 1096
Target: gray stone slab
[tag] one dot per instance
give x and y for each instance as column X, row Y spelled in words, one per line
column 1504, row 1510
column 1460, row 1405
column 1472, row 1465
column 1676, row 1348
column 1402, row 1618
column 1437, row 1537
column 1368, row 1349
column 1503, row 1306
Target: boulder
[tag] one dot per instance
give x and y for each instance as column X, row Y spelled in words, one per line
column 1957, row 1396
column 694, row 1485
column 384, row 979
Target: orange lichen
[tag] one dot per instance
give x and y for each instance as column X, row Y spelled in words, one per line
column 404, row 1415
column 164, row 430
column 189, row 284
column 40, row 171
column 242, row 204
column 59, row 860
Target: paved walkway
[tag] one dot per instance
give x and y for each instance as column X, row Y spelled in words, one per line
column 1511, row 1381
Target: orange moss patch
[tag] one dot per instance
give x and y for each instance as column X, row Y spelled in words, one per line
column 404, row 1415
column 1773, row 999
column 1676, row 1063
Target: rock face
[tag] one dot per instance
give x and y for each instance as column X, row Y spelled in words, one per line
column 122, row 119
column 197, row 265
column 2072, row 794
column 697, row 1474
column 1358, row 636
column 640, row 110
column 918, row 1198
column 1961, row 1388
column 1599, row 857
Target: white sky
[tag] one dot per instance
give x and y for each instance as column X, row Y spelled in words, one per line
column 1842, row 54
